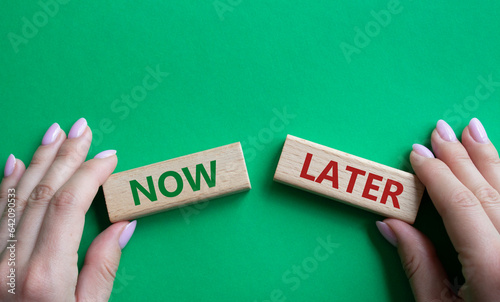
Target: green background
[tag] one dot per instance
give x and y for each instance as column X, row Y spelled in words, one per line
column 231, row 68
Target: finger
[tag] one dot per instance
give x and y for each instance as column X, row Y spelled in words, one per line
column 482, row 152
column 465, row 220
column 96, row 278
column 425, row 272
column 456, row 157
column 68, row 159
column 14, row 169
column 62, row 227
column 40, row 163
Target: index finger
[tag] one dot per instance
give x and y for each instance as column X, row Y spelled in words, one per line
column 465, row 220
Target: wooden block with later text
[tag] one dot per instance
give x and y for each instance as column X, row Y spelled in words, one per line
column 350, row 179
column 176, row 182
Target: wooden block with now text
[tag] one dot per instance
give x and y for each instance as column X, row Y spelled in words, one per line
column 176, row 182
column 350, row 179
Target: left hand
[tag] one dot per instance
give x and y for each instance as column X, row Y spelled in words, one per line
column 51, row 198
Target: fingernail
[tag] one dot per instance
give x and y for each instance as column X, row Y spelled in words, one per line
column 477, row 131
column 387, row 232
column 78, row 128
column 51, row 134
column 105, row 154
column 127, row 234
column 445, row 131
column 422, row 150
column 9, row 166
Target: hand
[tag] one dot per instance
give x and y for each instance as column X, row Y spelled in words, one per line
column 463, row 183
column 51, row 198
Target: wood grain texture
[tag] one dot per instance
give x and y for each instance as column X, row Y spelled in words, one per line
column 349, row 179
column 176, row 182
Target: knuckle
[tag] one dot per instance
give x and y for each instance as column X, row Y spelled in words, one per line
column 438, row 170
column 3, row 194
column 41, row 194
column 64, row 199
column 487, row 196
column 492, row 160
column 20, row 206
column 463, row 199
column 458, row 159
column 4, row 191
column 108, row 270
column 435, row 169
column 38, row 160
column 411, row 265
column 94, row 172
column 83, row 144
column 89, row 168
column 71, row 154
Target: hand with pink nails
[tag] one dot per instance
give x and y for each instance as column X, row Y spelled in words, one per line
column 463, row 181
column 44, row 209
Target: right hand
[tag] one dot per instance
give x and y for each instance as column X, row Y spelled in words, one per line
column 463, row 182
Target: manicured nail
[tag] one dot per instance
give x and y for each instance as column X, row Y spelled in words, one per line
column 78, row 128
column 105, row 154
column 9, row 166
column 445, row 131
column 422, row 150
column 51, row 134
column 477, row 131
column 387, row 232
column 126, row 234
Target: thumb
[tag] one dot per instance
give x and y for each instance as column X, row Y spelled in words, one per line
column 428, row 279
column 95, row 281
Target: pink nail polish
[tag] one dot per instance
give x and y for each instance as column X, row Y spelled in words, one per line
column 51, row 134
column 387, row 232
column 445, row 131
column 78, row 128
column 422, row 150
column 105, row 154
column 127, row 234
column 9, row 166
column 477, row 131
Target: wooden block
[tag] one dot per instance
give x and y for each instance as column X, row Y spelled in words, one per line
column 349, row 179
column 176, row 182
